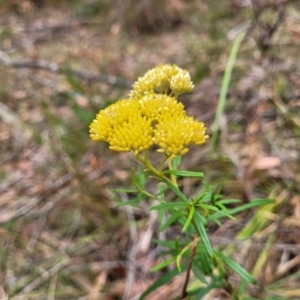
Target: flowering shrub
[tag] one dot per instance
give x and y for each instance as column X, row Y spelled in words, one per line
column 152, row 117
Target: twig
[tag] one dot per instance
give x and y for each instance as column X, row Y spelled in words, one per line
column 55, row 68
column 188, row 271
column 61, row 26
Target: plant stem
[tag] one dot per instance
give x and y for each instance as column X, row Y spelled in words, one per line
column 188, row 271
column 173, row 177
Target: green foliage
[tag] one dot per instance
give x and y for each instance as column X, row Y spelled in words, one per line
column 235, row 267
column 194, row 216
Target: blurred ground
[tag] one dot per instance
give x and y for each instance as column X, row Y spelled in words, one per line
column 61, row 236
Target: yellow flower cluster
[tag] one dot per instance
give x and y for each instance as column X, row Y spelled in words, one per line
column 151, row 116
column 165, row 79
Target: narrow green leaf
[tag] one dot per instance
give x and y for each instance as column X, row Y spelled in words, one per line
column 176, row 161
column 202, row 232
column 229, row 201
column 176, row 191
column 242, row 287
column 184, row 173
column 125, row 191
column 216, row 216
column 134, row 179
column 179, row 256
column 162, row 190
column 141, row 176
column 221, row 206
column 161, row 281
column 169, row 205
column 162, row 264
column 198, row 273
column 205, row 197
column 204, row 261
column 188, row 221
column 203, row 220
column 217, row 222
column 165, row 244
column 172, row 219
column 252, row 203
column 233, row 211
column 134, row 201
column 236, row 267
column 207, row 206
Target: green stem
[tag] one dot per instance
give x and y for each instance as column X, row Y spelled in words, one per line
column 145, row 161
column 156, row 172
column 173, row 177
column 160, row 168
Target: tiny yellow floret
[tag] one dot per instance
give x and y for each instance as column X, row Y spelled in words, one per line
column 181, row 83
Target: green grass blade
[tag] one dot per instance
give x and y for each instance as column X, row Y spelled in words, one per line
column 224, row 88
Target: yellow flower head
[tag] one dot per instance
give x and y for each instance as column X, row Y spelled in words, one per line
column 160, row 107
column 102, row 127
column 175, row 136
column 164, row 79
column 148, row 117
column 123, row 127
column 134, row 135
column 181, row 83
